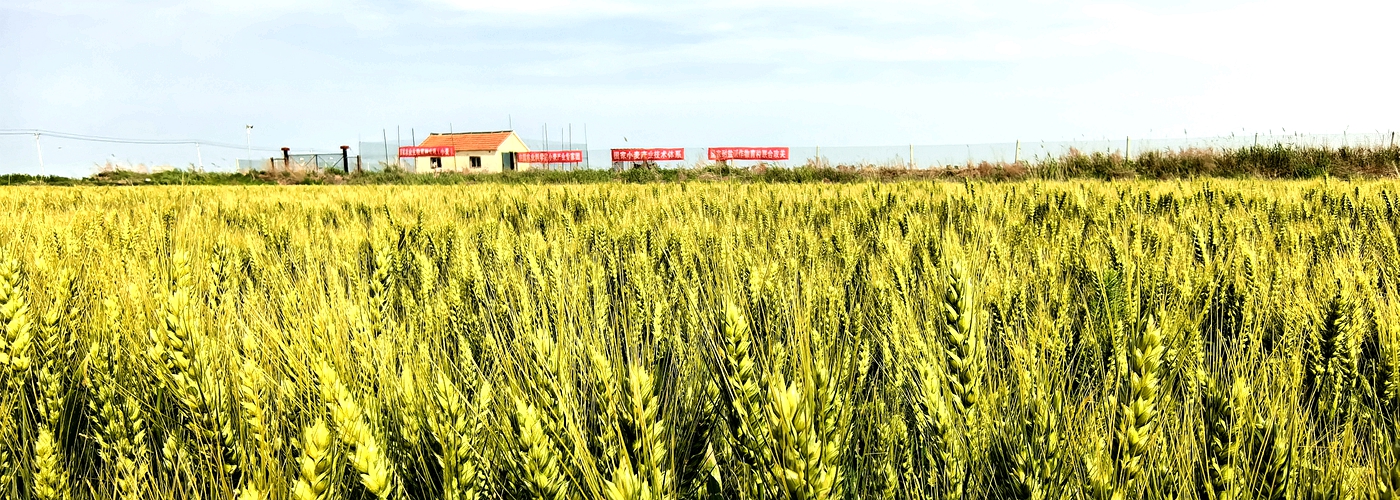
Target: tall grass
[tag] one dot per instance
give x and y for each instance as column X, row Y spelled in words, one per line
column 1037, row 340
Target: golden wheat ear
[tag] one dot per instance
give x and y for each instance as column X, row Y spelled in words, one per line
column 313, row 473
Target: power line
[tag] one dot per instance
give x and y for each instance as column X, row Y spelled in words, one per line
column 118, row 140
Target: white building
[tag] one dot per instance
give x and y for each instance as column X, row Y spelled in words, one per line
column 476, row 152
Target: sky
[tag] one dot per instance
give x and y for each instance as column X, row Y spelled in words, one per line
column 315, row 74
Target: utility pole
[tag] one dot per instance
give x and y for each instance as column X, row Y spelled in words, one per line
column 40, row 148
column 586, row 165
column 249, row 130
column 199, row 156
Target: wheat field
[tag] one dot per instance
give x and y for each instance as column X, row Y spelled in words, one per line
column 1034, row 340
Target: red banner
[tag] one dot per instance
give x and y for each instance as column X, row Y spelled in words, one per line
column 414, row 151
column 571, row 156
column 654, row 154
column 719, row 154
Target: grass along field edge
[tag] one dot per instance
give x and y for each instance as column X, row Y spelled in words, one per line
column 1270, row 162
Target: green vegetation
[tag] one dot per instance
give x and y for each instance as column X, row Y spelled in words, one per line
column 1267, row 162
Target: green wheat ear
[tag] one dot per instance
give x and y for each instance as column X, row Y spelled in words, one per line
column 50, row 480
column 1144, row 364
column 541, row 473
column 1028, row 459
column 741, row 386
column 964, row 349
column 1271, row 457
column 1332, row 356
column 18, row 328
column 1218, row 430
column 642, row 473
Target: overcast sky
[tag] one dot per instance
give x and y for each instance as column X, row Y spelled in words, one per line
column 317, row 74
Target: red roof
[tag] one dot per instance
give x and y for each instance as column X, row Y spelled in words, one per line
column 468, row 141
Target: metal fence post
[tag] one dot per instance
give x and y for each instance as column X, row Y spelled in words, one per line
column 345, row 158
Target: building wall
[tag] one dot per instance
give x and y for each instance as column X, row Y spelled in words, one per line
column 513, row 144
column 491, row 161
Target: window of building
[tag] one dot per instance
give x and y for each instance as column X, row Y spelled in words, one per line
column 476, row 162
column 435, row 162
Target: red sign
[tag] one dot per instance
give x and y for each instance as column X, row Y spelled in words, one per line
column 654, row 154
column 413, row 151
column 748, row 153
column 572, row 156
